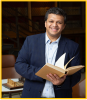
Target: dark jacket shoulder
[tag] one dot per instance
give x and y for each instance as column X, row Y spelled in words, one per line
column 69, row 41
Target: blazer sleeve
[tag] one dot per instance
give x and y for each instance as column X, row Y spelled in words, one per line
column 23, row 66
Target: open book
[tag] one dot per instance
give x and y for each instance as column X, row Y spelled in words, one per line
column 58, row 69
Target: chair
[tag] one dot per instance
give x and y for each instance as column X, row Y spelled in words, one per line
column 8, row 71
column 78, row 91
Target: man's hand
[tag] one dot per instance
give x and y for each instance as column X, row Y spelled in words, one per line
column 56, row 80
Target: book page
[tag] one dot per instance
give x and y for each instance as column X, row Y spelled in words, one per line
column 68, row 62
column 60, row 61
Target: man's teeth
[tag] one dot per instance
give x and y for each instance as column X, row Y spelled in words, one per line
column 54, row 29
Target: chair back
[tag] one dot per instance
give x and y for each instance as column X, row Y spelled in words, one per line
column 78, row 91
column 8, row 61
column 8, row 69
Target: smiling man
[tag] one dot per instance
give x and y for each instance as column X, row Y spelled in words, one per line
column 54, row 26
column 47, row 47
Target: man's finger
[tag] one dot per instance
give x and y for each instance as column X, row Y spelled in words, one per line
column 57, row 77
column 49, row 77
column 52, row 77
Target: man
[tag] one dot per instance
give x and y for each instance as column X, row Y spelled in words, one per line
column 40, row 49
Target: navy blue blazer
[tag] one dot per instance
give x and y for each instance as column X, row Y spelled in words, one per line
column 31, row 58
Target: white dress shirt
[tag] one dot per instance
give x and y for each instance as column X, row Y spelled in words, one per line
column 50, row 55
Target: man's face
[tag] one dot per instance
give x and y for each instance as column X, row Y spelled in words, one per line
column 54, row 25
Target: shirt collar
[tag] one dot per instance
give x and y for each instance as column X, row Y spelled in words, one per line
column 48, row 40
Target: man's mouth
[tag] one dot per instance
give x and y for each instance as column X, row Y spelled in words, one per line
column 54, row 29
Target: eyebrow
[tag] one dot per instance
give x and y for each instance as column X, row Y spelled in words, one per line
column 57, row 20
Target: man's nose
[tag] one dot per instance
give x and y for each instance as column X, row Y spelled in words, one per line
column 54, row 24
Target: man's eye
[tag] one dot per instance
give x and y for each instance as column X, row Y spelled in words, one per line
column 51, row 21
column 59, row 22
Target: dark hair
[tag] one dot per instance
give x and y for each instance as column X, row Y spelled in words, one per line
column 57, row 11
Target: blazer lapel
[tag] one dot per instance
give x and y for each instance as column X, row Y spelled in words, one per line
column 61, row 47
column 42, row 49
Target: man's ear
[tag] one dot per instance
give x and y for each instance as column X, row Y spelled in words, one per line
column 64, row 26
column 45, row 23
